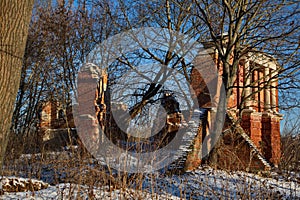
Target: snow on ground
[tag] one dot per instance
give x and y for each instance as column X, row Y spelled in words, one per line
column 210, row 183
column 204, row 183
column 11, row 184
column 61, row 172
column 74, row 191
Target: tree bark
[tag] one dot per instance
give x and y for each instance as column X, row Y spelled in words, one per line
column 14, row 20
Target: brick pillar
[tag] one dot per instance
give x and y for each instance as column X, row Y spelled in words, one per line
column 266, row 136
column 86, row 120
column 246, row 116
column 275, row 140
column 193, row 158
column 202, row 94
column 46, row 115
column 53, row 106
column 251, row 123
column 86, row 93
column 255, row 133
column 271, row 137
column 70, row 119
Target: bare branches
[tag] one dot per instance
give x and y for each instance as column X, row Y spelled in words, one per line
column 62, row 35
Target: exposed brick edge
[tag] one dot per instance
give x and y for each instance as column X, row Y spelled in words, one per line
column 235, row 125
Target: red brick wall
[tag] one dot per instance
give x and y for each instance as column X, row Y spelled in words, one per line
column 200, row 88
column 46, row 116
column 275, row 140
column 264, row 130
column 50, row 118
column 251, row 123
column 271, row 137
column 193, row 160
column 266, row 136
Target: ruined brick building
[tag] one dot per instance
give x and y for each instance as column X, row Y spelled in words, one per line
column 57, row 125
column 253, row 143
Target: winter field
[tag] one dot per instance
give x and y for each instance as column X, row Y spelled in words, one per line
column 69, row 175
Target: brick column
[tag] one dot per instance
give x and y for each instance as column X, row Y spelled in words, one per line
column 275, row 140
column 85, row 118
column 193, row 158
column 251, row 123
column 202, row 142
column 54, row 107
column 271, row 137
column 266, row 135
column 86, row 93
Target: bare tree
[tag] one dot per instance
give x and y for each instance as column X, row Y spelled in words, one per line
column 245, row 28
column 236, row 30
column 61, row 34
column 266, row 27
column 290, row 144
column 15, row 17
column 166, row 15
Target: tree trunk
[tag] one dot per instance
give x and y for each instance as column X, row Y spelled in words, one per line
column 14, row 20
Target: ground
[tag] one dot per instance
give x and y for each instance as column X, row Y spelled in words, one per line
column 61, row 176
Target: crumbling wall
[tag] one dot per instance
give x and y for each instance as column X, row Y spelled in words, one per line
column 259, row 118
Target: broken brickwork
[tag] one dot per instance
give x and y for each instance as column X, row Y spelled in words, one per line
column 254, row 101
column 254, row 147
column 57, row 126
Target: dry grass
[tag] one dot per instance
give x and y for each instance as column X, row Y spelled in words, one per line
column 74, row 167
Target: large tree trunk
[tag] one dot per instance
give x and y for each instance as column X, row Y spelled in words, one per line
column 14, row 20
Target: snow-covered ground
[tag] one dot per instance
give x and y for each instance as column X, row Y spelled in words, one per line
column 210, row 183
column 73, row 191
column 203, row 183
column 200, row 184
